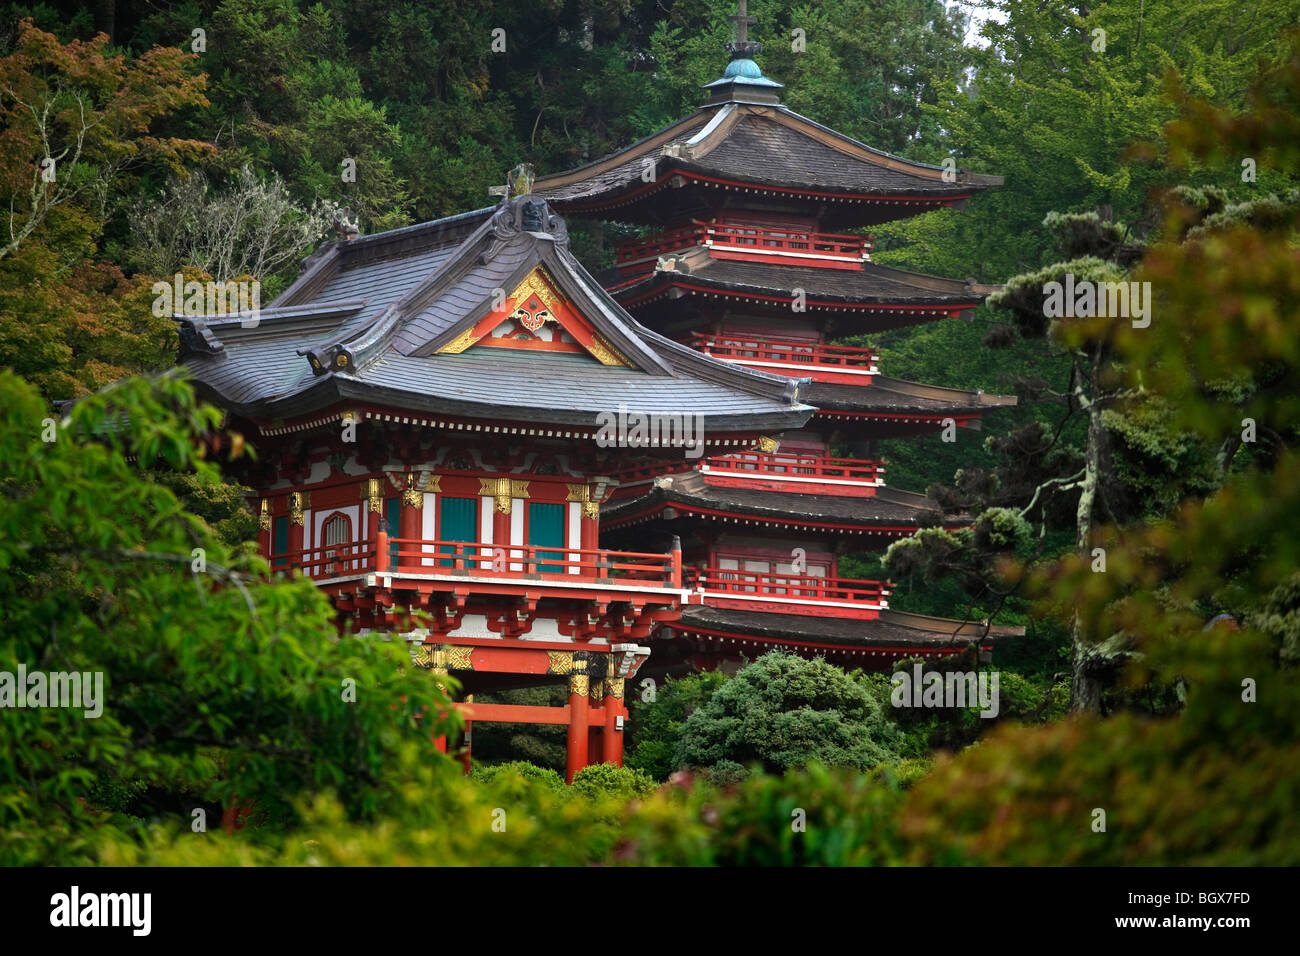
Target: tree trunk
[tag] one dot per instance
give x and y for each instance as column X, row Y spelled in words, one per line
column 1085, row 684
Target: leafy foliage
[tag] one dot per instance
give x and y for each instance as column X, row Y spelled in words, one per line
column 783, row 711
column 220, row 686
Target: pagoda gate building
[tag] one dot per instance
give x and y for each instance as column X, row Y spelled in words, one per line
column 743, row 257
column 435, row 411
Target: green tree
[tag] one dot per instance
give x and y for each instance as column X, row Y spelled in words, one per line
column 1214, row 783
column 784, row 711
column 220, row 686
column 656, row 725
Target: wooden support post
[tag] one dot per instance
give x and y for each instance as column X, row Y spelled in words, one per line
column 614, row 710
column 500, row 555
column 374, row 495
column 297, row 520
column 675, row 565
column 596, row 730
column 264, row 529
column 576, row 755
column 469, row 736
column 410, row 523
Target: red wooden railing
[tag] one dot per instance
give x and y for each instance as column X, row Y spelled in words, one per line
column 760, row 464
column 747, row 238
column 724, row 581
column 780, row 464
column 398, row 556
column 329, row 561
column 812, row 355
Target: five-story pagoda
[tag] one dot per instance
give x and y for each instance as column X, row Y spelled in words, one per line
column 743, row 256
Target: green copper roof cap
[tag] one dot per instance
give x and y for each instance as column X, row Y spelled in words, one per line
column 743, row 66
column 743, row 81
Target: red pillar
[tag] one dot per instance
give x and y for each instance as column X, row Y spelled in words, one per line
column 501, row 535
column 375, row 518
column 469, row 738
column 297, row 516
column 576, row 756
column 410, row 525
column 264, row 529
column 595, row 726
column 613, row 711
column 589, row 526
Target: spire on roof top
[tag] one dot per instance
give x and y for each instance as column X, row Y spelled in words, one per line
column 743, row 46
column 743, row 80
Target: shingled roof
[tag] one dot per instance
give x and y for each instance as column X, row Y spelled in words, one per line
column 393, row 318
column 887, row 395
column 769, row 148
column 889, row 509
column 871, row 296
column 891, row 629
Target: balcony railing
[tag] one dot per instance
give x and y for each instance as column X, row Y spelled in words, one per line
column 843, row 364
column 420, row 557
column 789, row 593
column 727, row 240
column 772, row 471
column 825, row 472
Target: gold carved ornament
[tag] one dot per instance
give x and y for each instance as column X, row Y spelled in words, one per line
column 560, row 662
column 458, row 658
column 582, row 493
column 597, row 689
column 264, row 517
column 768, row 445
column 504, row 490
column 536, row 283
column 615, row 687
column 578, row 684
column 372, row 490
column 606, row 354
column 299, row 502
column 412, row 497
column 460, row 343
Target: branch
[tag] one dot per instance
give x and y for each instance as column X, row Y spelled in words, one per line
column 1074, row 479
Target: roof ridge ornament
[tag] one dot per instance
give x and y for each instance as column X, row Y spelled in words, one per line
column 742, row 45
column 743, row 80
column 520, row 215
column 519, row 182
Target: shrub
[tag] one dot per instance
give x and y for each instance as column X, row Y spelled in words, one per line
column 783, row 711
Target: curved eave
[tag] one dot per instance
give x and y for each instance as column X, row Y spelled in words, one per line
column 335, row 393
column 898, row 513
column 892, row 633
column 636, row 190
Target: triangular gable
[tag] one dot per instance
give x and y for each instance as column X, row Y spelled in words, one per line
column 537, row 316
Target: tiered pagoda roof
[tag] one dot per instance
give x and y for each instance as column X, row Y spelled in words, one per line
column 689, row 497
column 740, row 190
column 892, row 633
column 736, row 145
column 865, row 298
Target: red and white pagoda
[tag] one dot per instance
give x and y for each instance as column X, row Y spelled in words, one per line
column 743, row 256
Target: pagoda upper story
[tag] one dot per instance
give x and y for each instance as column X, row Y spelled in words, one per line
column 743, row 143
